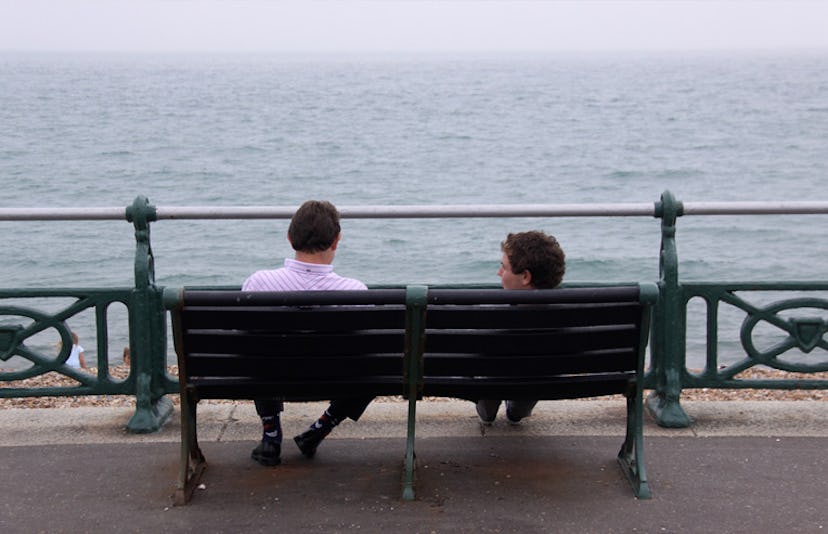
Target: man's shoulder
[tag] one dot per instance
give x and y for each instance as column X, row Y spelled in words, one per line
column 349, row 283
column 262, row 280
column 359, row 284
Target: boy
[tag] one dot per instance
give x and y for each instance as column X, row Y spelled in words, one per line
column 531, row 260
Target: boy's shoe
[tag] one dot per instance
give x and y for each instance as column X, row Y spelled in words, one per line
column 268, row 453
column 511, row 419
column 310, row 439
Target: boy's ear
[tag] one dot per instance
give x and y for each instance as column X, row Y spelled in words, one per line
column 526, row 278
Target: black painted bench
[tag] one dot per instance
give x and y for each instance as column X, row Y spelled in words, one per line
column 414, row 342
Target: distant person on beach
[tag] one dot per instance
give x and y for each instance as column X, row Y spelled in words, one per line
column 314, row 234
column 530, row 260
column 76, row 356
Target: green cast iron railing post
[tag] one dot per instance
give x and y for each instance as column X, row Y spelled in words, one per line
column 147, row 327
column 668, row 332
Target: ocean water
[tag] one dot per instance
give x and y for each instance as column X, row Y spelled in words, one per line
column 224, row 130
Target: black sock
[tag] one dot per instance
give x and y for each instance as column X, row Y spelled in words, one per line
column 272, row 428
column 326, row 422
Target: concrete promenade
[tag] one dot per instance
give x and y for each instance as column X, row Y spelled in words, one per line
column 753, row 466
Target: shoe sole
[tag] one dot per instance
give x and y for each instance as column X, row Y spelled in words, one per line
column 310, row 453
column 266, row 461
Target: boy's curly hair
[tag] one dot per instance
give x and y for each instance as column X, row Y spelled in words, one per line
column 538, row 253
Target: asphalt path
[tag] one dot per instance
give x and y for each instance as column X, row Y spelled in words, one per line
column 742, row 467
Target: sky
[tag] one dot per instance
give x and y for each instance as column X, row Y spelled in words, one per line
column 354, row 26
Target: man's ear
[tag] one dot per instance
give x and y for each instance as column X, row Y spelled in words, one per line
column 336, row 241
column 526, row 278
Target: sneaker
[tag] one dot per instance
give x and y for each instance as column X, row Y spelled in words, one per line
column 268, row 453
column 310, row 439
column 485, row 419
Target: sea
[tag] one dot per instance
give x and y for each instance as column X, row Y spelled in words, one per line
column 220, row 130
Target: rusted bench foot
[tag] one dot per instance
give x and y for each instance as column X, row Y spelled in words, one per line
column 185, row 489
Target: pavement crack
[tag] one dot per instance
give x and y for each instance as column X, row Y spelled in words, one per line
column 226, row 424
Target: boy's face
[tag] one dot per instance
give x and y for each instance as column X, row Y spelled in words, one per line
column 510, row 280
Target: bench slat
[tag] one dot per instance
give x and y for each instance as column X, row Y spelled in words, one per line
column 528, row 387
column 279, row 319
column 534, row 316
column 307, row 344
column 229, row 387
column 550, row 342
column 299, row 366
column 438, row 296
column 520, row 364
column 230, row 299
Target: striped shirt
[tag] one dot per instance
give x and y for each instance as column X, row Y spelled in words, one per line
column 300, row 276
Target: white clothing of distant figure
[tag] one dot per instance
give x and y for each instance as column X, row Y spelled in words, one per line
column 76, row 356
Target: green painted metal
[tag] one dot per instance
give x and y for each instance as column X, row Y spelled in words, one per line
column 148, row 330
column 29, row 322
column 668, row 343
column 148, row 364
column 415, row 315
column 801, row 336
column 192, row 462
column 669, row 374
column 631, row 455
column 798, row 319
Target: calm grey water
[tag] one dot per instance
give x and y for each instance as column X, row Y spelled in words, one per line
column 98, row 130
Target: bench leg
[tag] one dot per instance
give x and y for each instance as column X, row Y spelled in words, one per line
column 410, row 456
column 192, row 463
column 631, row 456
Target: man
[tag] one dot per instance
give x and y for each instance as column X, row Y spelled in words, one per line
column 314, row 234
column 531, row 260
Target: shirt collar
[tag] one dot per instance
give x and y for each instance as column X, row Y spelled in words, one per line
column 310, row 268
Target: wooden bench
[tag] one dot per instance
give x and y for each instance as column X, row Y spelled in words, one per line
column 414, row 342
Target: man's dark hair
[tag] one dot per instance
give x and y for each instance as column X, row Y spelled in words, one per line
column 538, row 253
column 314, row 226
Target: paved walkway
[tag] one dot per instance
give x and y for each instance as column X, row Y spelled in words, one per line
column 742, row 467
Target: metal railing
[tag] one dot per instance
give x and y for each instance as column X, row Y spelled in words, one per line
column 418, row 212
column 667, row 376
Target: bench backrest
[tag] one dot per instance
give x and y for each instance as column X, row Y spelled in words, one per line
column 545, row 344
column 309, row 345
column 465, row 343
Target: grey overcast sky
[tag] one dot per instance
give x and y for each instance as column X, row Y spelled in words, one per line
column 410, row 26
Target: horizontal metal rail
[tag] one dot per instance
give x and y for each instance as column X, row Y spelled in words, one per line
column 755, row 208
column 425, row 211
column 62, row 214
column 419, row 211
